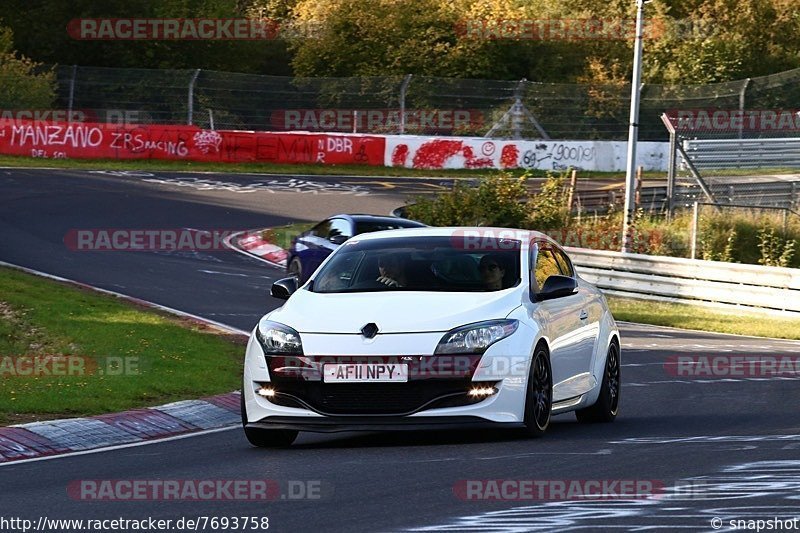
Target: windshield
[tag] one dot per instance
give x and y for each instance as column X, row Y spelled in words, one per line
column 369, row 226
column 420, row 264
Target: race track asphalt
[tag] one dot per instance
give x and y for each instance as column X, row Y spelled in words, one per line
column 726, row 447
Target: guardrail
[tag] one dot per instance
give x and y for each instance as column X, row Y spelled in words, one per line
column 743, row 153
column 694, row 280
column 780, row 194
column 784, row 194
column 599, row 201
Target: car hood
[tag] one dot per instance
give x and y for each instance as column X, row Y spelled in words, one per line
column 393, row 312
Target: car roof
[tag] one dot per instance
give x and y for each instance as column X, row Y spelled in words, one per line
column 364, row 217
column 450, row 231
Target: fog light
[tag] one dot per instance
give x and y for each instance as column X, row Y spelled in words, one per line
column 266, row 392
column 481, row 392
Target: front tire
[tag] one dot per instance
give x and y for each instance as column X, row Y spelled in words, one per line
column 606, row 407
column 295, row 269
column 539, row 397
column 266, row 438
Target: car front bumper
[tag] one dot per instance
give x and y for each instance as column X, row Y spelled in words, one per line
column 508, row 374
column 336, row 424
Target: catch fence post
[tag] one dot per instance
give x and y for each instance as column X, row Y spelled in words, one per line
column 190, row 101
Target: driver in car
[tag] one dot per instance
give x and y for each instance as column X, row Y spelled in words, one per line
column 392, row 270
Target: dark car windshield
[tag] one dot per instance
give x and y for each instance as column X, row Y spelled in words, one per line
column 369, row 226
column 420, row 264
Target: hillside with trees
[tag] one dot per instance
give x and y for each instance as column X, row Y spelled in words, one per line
column 689, row 41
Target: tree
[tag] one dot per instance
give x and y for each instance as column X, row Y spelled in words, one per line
column 708, row 41
column 22, row 85
column 373, row 37
column 40, row 28
column 688, row 41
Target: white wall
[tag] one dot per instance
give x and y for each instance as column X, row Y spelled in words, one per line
column 469, row 152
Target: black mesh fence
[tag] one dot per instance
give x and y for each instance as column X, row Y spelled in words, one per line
column 401, row 104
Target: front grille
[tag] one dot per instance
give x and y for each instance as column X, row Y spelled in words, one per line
column 372, row 398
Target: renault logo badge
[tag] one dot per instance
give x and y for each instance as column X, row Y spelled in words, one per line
column 370, row 330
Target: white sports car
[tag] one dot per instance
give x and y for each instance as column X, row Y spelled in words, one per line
column 432, row 328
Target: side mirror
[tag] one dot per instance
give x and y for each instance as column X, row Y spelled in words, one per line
column 338, row 239
column 557, row 287
column 283, row 288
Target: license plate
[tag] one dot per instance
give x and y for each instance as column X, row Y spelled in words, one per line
column 365, row 373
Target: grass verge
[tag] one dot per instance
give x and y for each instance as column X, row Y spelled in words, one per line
column 687, row 316
column 273, row 168
column 122, row 356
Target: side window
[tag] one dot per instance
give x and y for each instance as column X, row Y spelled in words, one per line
column 546, row 266
column 321, row 230
column 339, row 226
column 564, row 264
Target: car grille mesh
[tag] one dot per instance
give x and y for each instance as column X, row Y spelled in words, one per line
column 372, row 398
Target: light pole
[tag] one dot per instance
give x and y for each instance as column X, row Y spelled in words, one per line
column 633, row 131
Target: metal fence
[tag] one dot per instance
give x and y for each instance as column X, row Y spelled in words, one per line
column 749, row 157
column 399, row 104
column 717, row 229
column 714, row 283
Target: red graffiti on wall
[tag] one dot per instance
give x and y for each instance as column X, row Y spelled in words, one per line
column 399, row 155
column 509, row 156
column 155, row 141
column 435, row 154
column 472, row 162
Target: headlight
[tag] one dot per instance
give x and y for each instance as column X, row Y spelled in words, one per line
column 277, row 339
column 475, row 338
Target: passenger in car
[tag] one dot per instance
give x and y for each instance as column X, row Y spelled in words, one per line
column 492, row 272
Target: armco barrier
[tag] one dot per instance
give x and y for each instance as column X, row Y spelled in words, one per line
column 637, row 275
column 189, row 143
column 743, row 153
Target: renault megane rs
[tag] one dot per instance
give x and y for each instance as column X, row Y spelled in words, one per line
column 432, row 328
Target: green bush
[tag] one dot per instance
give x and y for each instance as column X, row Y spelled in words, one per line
column 498, row 200
column 750, row 237
column 547, row 208
column 663, row 237
column 775, row 250
column 652, row 234
column 717, row 238
column 599, row 232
